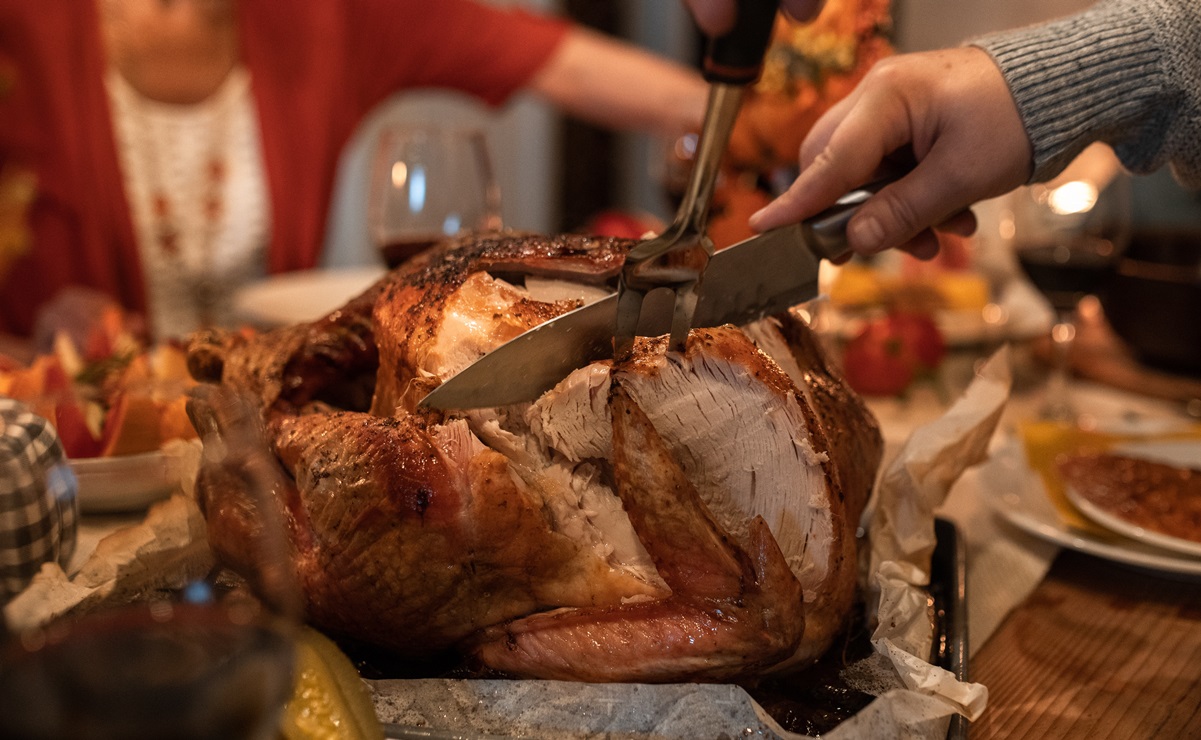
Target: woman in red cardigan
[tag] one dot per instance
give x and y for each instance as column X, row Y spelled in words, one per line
column 180, row 146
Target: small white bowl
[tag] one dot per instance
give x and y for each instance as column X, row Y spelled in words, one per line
column 126, row 482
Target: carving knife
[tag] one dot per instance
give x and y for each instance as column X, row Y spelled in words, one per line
column 758, row 277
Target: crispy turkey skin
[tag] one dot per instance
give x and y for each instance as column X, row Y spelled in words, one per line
column 675, row 516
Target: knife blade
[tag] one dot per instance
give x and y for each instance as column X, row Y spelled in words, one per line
column 757, row 277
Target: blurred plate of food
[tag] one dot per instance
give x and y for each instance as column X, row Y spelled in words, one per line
column 968, row 309
column 1022, row 483
column 116, row 404
column 306, row 295
column 1149, row 491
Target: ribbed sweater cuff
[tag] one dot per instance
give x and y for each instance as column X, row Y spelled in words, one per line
column 1081, row 79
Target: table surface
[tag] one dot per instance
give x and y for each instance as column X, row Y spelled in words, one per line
column 1096, row 651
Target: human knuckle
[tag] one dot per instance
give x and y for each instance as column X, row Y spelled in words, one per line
column 888, row 72
column 829, row 162
column 901, row 212
column 825, row 158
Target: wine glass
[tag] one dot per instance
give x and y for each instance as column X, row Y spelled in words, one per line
column 199, row 653
column 429, row 183
column 1068, row 237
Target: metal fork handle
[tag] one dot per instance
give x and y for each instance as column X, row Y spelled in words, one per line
column 692, row 215
column 677, row 258
column 722, row 111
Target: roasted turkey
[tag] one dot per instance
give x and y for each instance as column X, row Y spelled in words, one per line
column 676, row 516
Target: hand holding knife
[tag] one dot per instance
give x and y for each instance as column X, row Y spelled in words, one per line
column 758, row 277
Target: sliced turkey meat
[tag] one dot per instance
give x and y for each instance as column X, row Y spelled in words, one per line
column 733, row 609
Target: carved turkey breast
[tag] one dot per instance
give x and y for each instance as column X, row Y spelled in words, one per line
column 677, row 516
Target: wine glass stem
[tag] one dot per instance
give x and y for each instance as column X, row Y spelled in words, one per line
column 1059, row 405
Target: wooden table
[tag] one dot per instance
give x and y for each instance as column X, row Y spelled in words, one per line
column 1097, row 651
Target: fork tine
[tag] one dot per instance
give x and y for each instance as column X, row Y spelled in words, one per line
column 629, row 311
column 681, row 318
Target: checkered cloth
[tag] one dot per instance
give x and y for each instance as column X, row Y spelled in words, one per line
column 38, row 507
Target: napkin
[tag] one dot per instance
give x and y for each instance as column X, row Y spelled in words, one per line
column 38, row 504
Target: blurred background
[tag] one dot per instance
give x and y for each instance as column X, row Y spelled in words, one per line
column 555, row 172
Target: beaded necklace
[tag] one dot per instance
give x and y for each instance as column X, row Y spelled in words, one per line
column 197, row 196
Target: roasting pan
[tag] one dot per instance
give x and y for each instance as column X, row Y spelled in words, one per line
column 949, row 611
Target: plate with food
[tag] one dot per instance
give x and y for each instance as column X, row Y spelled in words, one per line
column 968, row 310
column 117, row 406
column 1019, row 495
column 1149, row 492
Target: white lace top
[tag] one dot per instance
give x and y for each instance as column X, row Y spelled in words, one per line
column 220, row 221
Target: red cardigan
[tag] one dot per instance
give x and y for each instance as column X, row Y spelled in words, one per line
column 317, row 67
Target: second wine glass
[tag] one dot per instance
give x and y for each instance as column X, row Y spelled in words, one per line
column 429, row 183
column 1068, row 236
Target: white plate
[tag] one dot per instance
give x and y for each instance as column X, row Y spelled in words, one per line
column 125, row 483
column 296, row 297
column 1016, row 493
column 1134, row 532
column 1186, row 454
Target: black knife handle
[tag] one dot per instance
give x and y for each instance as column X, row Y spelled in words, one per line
column 736, row 58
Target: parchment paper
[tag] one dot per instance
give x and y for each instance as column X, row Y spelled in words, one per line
column 165, row 549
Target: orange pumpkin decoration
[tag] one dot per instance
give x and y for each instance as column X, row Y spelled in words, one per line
column 809, row 67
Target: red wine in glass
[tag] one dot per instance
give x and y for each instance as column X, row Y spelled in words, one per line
column 429, row 183
column 1068, row 239
column 400, row 250
column 1064, row 272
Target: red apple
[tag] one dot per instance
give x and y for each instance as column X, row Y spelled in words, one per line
column 622, row 224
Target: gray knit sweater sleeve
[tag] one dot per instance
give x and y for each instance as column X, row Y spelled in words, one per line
column 1126, row 72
